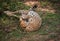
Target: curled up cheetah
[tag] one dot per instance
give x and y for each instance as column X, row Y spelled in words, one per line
column 29, row 19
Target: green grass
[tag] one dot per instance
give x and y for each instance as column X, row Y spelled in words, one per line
column 50, row 24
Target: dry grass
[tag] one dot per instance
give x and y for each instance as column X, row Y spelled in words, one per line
column 49, row 31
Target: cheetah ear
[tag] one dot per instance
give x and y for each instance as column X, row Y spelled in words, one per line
column 33, row 7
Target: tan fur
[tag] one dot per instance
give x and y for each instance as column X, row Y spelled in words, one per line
column 23, row 24
column 33, row 23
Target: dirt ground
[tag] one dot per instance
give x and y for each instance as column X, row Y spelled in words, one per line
column 49, row 31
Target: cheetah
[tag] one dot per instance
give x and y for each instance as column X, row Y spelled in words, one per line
column 29, row 19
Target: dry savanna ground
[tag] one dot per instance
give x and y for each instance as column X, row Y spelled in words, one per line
column 49, row 31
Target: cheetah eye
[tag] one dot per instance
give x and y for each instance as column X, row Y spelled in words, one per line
column 26, row 20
